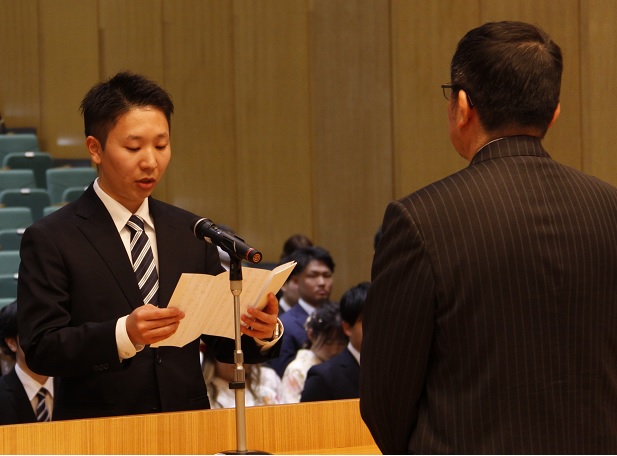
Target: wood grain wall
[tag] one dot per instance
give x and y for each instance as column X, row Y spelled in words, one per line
column 296, row 116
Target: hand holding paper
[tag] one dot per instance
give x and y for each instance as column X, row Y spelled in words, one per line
column 208, row 304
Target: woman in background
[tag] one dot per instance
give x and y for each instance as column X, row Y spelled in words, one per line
column 261, row 383
column 325, row 339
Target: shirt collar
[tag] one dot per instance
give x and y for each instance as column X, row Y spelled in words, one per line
column 354, row 352
column 31, row 386
column 120, row 214
column 309, row 309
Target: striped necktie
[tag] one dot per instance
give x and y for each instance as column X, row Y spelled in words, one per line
column 143, row 261
column 42, row 412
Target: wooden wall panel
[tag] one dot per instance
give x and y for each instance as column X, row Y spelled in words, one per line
column 351, row 109
column 131, row 37
column 274, row 174
column 297, row 115
column 199, row 74
column 424, row 37
column 19, row 63
column 562, row 22
column 69, row 56
column 599, row 63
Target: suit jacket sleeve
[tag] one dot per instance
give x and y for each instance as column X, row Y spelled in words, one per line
column 397, row 331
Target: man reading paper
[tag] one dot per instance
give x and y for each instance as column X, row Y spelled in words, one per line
column 96, row 275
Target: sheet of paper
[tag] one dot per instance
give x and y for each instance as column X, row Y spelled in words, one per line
column 208, row 303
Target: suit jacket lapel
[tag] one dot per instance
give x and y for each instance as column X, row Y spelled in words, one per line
column 94, row 221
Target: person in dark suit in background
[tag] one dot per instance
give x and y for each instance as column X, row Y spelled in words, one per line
column 313, row 275
column 489, row 326
column 339, row 377
column 83, row 316
column 21, row 390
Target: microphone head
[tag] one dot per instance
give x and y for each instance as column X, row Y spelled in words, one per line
column 253, row 256
column 197, row 223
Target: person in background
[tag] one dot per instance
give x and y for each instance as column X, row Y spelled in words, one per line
column 289, row 294
column 339, row 377
column 489, row 325
column 96, row 276
column 313, row 274
column 325, row 339
column 25, row 397
column 261, row 383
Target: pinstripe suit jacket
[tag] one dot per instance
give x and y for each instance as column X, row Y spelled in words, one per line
column 491, row 322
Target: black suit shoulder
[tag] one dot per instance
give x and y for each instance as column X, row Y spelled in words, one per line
column 336, row 378
column 15, row 407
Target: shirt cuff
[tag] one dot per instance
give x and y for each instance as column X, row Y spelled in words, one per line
column 266, row 345
column 126, row 348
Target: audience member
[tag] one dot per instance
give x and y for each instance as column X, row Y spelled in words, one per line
column 489, row 325
column 25, row 397
column 261, row 383
column 339, row 377
column 289, row 295
column 325, row 339
column 96, row 276
column 313, row 276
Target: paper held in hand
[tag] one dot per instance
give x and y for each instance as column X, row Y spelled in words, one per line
column 208, row 304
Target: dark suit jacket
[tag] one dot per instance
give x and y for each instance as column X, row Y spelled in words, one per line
column 490, row 323
column 293, row 338
column 76, row 280
column 15, row 408
column 336, row 378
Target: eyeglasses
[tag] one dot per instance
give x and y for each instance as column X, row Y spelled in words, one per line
column 449, row 89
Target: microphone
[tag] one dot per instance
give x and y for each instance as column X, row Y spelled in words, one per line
column 205, row 229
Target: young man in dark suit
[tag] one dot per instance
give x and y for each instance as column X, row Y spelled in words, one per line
column 21, row 390
column 313, row 275
column 489, row 325
column 97, row 274
column 339, row 377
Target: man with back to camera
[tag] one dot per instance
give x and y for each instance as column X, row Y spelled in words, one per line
column 490, row 323
column 96, row 275
column 313, row 276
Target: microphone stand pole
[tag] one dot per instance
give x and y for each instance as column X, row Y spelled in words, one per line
column 239, row 384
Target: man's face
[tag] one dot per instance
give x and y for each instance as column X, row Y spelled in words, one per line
column 315, row 283
column 135, row 157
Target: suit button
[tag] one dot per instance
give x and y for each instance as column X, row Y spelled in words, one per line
column 159, row 360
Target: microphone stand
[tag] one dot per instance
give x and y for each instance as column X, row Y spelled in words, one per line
column 239, row 384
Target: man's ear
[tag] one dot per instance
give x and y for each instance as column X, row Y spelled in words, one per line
column 12, row 343
column 555, row 115
column 95, row 149
column 346, row 328
column 465, row 110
